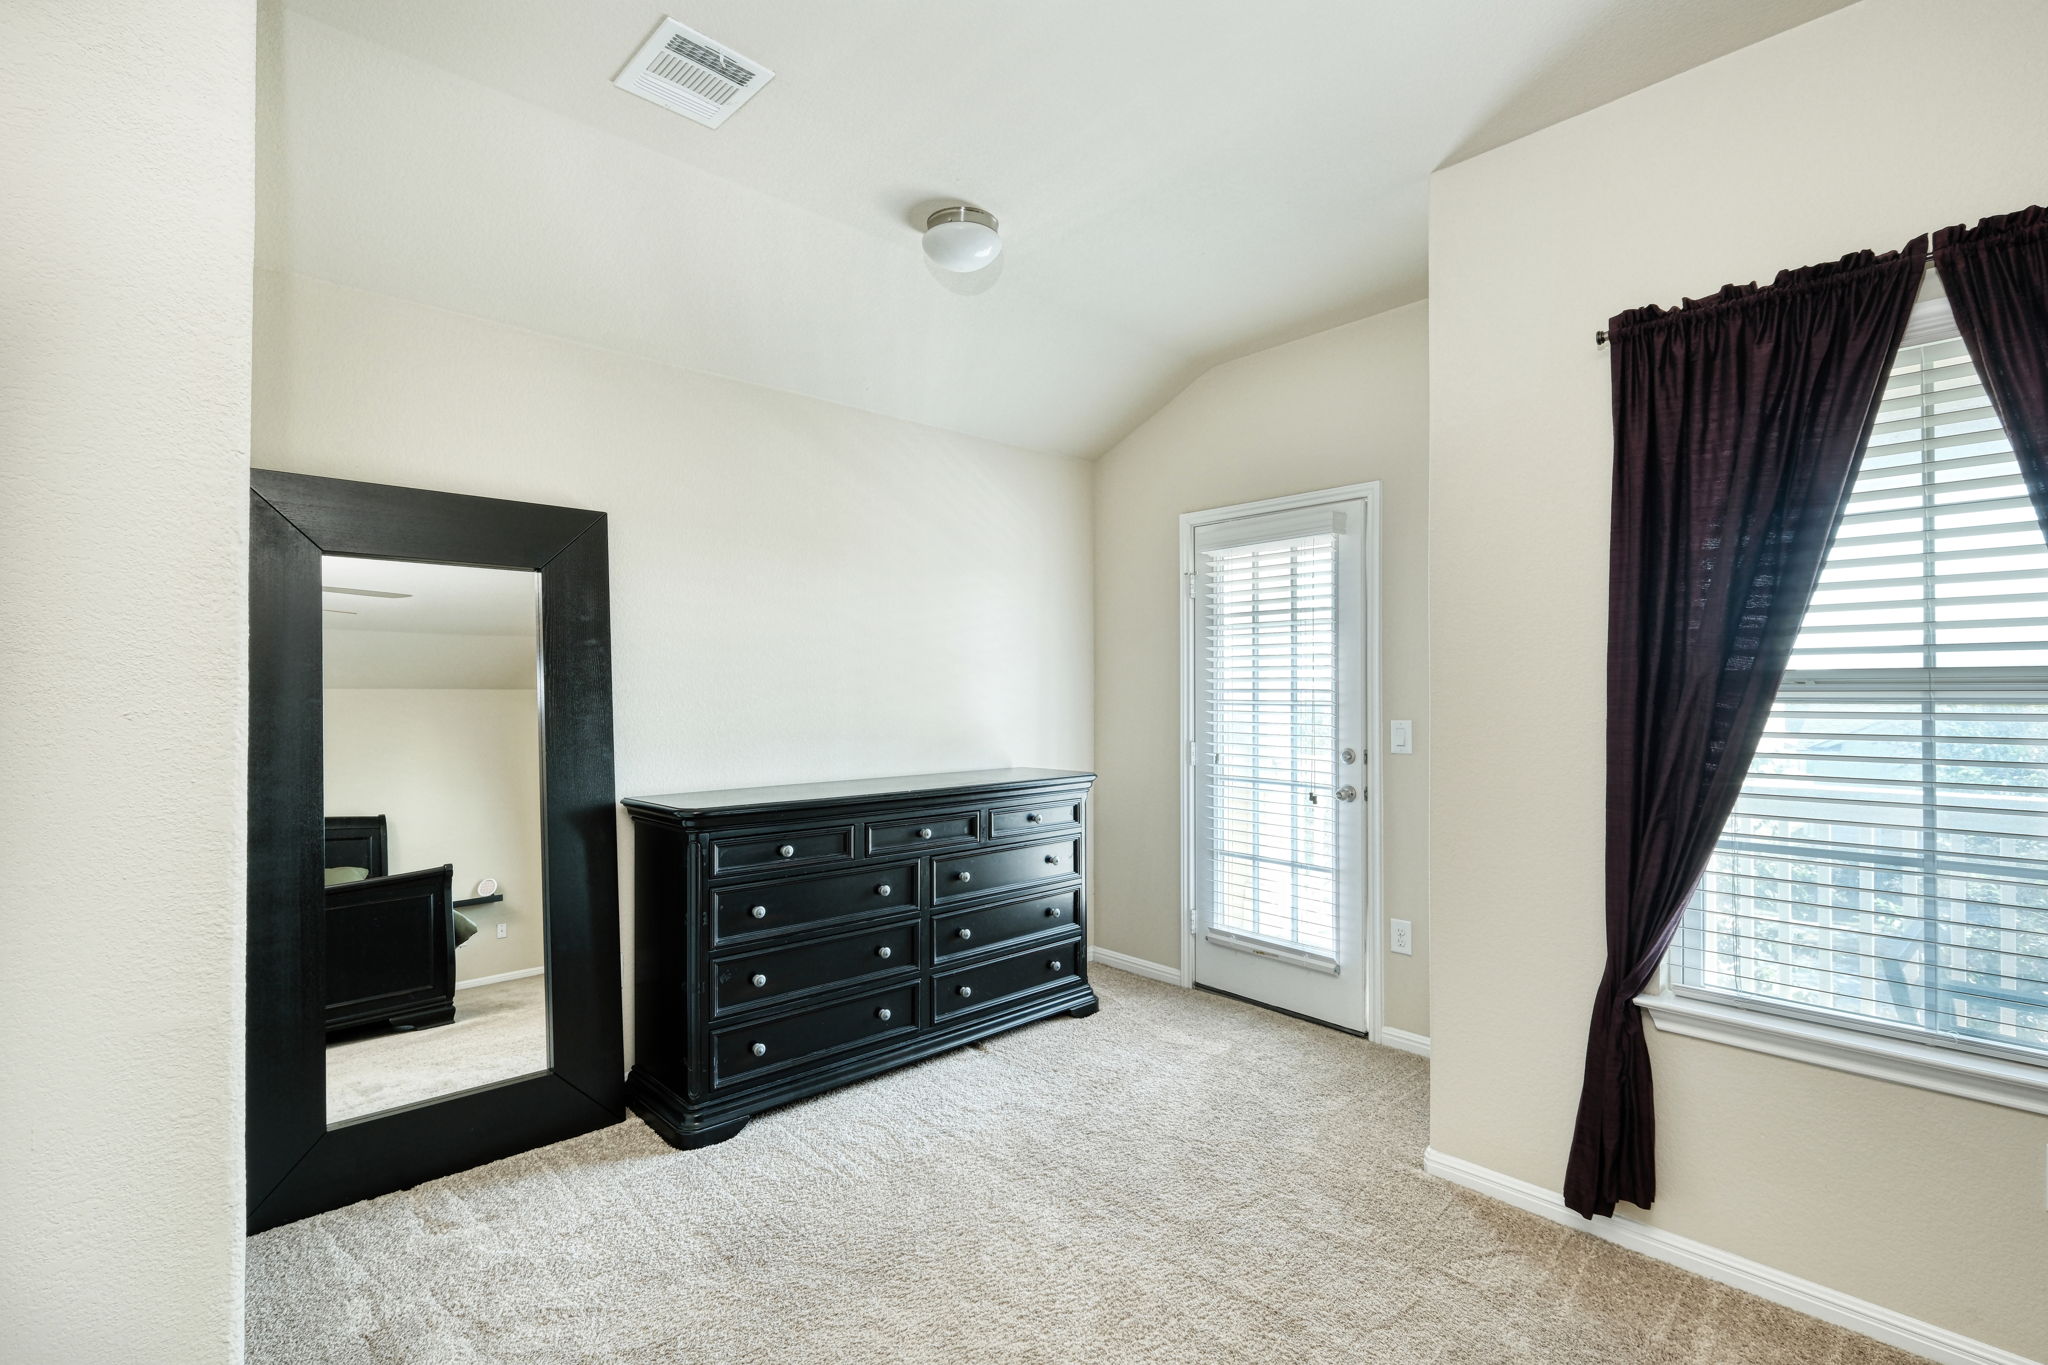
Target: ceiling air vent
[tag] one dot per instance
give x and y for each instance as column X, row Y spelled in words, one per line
column 698, row 77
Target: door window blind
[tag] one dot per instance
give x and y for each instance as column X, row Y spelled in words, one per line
column 1886, row 865
column 1268, row 715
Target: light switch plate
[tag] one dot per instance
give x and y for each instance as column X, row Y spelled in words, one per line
column 501, row 929
column 1403, row 737
column 1404, row 936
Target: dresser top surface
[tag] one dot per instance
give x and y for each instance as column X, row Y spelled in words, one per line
column 683, row 805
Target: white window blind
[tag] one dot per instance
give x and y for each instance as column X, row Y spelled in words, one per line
column 1886, row 865
column 1268, row 715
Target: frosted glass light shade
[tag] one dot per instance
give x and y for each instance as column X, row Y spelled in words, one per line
column 961, row 239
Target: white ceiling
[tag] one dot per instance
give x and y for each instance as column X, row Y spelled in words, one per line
column 440, row 599
column 1179, row 181
column 457, row 626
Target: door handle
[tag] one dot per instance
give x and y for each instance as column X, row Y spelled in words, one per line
column 1347, row 792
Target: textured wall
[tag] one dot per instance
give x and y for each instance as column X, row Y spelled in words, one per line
column 1345, row 406
column 124, row 428
column 799, row 591
column 1858, row 130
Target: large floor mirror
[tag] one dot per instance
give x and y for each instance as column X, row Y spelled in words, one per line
column 433, row 959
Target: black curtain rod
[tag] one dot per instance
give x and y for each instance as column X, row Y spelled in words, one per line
column 1600, row 338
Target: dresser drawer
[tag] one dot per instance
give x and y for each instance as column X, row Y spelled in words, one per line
column 971, row 931
column 974, row 873
column 739, row 913
column 1026, row 973
column 738, row 982
column 931, row 831
column 742, row 1051
column 1039, row 819
column 754, row 852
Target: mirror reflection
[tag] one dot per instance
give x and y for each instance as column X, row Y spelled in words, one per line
column 436, row 949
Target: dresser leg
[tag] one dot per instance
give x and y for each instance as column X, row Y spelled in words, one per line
column 1083, row 1011
column 684, row 1139
column 704, row 1137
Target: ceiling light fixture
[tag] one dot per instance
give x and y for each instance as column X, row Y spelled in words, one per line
column 961, row 239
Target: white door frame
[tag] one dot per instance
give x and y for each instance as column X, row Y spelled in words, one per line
column 1373, row 875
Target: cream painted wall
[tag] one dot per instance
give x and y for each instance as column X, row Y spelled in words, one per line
column 456, row 773
column 420, row 659
column 124, row 430
column 1858, row 130
column 799, row 591
column 1345, row 406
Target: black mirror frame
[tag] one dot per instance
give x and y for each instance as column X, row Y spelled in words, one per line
column 298, row 1165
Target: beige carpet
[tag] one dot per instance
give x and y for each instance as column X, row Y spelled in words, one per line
column 1181, row 1178
column 500, row 1031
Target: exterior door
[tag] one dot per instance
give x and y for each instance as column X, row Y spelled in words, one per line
column 1277, row 713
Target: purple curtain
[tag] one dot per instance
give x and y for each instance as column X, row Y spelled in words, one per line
column 1738, row 421
column 1996, row 275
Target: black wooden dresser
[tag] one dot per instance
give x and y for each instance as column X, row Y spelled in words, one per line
column 792, row 939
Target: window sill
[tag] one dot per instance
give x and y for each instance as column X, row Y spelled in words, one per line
column 2015, row 1085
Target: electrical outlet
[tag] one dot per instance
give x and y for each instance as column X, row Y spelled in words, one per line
column 501, row 929
column 1403, row 737
column 1404, row 937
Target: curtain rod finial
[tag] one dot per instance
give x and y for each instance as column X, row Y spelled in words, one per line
column 1599, row 338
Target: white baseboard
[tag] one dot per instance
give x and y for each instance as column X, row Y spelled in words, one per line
column 1739, row 1272
column 1417, row 1043
column 1389, row 1037
column 1136, row 966
column 501, row 976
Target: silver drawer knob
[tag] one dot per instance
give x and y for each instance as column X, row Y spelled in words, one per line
column 1052, row 857
column 787, row 850
column 966, row 933
column 925, row 833
column 882, row 890
column 759, row 1049
column 883, row 1015
column 759, row 912
column 759, row 980
column 1053, row 965
column 884, row 951
column 963, row 876
column 1053, row 910
column 966, row 991
column 1032, row 817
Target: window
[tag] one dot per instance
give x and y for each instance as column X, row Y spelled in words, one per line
column 1269, row 721
column 1886, row 866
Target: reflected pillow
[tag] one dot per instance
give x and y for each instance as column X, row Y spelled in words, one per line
column 337, row 875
